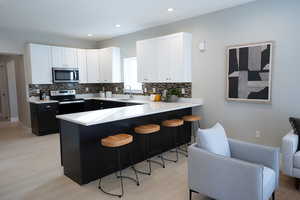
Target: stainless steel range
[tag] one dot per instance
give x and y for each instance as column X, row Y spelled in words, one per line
column 68, row 103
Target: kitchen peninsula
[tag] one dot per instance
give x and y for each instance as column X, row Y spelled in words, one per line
column 83, row 158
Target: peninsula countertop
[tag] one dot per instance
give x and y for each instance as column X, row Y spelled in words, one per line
column 114, row 114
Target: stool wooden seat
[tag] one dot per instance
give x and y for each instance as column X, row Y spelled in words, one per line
column 173, row 123
column 191, row 118
column 147, row 129
column 117, row 140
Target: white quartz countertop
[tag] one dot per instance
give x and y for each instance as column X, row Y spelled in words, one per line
column 37, row 101
column 114, row 114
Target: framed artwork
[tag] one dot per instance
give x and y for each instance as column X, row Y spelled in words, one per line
column 249, row 72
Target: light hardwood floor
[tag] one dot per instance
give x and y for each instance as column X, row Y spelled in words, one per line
column 30, row 169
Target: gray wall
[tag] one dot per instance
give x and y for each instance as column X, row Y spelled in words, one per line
column 13, row 41
column 254, row 22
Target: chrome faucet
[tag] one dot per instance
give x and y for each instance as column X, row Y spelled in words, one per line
column 128, row 91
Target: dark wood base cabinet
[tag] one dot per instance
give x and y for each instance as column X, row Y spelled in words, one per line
column 83, row 158
column 43, row 118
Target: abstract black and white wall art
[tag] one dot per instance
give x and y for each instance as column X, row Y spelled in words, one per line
column 249, row 72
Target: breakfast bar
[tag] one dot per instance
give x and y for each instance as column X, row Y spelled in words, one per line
column 82, row 155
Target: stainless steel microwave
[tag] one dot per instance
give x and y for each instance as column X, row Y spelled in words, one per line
column 65, row 75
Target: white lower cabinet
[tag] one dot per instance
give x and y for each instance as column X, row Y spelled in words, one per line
column 165, row 59
column 39, row 64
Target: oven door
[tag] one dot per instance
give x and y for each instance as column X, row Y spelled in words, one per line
column 65, row 75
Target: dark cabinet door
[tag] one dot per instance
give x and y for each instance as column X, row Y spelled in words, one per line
column 43, row 118
column 92, row 104
column 47, row 118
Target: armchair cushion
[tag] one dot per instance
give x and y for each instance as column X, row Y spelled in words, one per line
column 288, row 149
column 297, row 160
column 269, row 182
column 214, row 140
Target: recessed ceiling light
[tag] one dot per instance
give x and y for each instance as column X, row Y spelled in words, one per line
column 170, row 9
column 117, row 25
column 90, row 35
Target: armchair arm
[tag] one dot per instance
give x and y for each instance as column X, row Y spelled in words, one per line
column 254, row 153
column 288, row 149
column 223, row 177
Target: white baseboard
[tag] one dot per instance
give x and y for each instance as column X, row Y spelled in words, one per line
column 14, row 119
column 28, row 129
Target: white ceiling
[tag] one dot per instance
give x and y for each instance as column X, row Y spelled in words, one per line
column 77, row 18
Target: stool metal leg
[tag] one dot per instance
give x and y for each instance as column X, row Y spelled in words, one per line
column 149, row 161
column 121, row 177
column 176, row 150
column 185, row 150
column 145, row 156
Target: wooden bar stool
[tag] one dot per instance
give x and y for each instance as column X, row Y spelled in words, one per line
column 147, row 131
column 116, row 143
column 191, row 119
column 173, row 124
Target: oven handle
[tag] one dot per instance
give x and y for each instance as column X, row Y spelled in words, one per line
column 70, row 102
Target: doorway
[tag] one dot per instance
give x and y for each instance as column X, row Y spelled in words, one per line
column 4, row 96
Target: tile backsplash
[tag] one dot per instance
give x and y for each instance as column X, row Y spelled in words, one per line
column 116, row 88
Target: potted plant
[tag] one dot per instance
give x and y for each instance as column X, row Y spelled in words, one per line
column 173, row 94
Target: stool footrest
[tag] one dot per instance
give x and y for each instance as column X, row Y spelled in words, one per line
column 180, row 151
column 130, row 178
column 171, row 160
column 158, row 163
column 149, row 166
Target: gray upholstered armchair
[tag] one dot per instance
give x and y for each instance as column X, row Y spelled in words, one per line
column 250, row 173
column 291, row 157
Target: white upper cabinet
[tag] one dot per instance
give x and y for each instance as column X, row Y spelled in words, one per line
column 165, row 59
column 93, row 69
column 110, row 66
column 95, row 65
column 40, row 64
column 63, row 57
column 82, row 65
column 147, row 65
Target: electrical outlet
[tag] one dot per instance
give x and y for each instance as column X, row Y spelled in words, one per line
column 182, row 91
column 257, row 134
column 87, row 89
